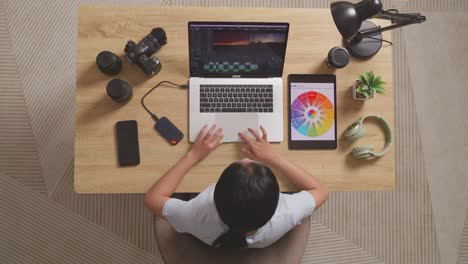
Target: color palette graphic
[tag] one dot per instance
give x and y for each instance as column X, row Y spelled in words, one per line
column 312, row 114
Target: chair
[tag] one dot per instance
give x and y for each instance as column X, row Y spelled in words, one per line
column 183, row 248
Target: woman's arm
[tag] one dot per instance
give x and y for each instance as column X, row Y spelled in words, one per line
column 261, row 150
column 162, row 190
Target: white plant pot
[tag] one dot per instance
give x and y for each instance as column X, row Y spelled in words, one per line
column 356, row 95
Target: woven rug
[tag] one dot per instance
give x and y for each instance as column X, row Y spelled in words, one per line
column 438, row 57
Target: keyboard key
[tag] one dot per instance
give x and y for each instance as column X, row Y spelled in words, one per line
column 228, row 105
column 232, row 110
column 202, row 94
column 249, row 110
column 223, row 105
column 202, row 110
column 218, row 104
column 270, row 109
column 211, row 100
column 205, row 105
column 267, row 105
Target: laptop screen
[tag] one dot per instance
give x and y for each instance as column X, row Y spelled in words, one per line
column 237, row 49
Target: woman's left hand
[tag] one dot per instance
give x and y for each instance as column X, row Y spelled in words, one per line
column 206, row 142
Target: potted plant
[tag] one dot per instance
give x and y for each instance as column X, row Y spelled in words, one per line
column 367, row 85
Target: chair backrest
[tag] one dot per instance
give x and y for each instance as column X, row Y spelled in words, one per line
column 183, row 248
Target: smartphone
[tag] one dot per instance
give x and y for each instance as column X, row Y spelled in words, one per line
column 312, row 111
column 127, row 143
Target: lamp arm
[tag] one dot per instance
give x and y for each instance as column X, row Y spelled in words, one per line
column 398, row 20
column 396, row 17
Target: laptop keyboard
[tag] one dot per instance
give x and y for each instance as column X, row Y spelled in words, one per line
column 236, row 98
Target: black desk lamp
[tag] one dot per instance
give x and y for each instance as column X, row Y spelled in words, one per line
column 362, row 38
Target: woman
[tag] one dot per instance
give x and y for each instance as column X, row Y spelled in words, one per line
column 244, row 208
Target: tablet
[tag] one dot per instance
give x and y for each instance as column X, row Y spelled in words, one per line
column 312, row 111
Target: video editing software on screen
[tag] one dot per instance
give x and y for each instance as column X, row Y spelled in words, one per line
column 234, row 49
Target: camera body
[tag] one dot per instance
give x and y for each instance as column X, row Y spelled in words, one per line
column 140, row 53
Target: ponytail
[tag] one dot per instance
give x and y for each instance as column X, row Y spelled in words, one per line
column 246, row 197
column 231, row 239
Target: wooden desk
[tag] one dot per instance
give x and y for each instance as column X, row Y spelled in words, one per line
column 312, row 34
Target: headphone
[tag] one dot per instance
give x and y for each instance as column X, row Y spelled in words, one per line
column 356, row 130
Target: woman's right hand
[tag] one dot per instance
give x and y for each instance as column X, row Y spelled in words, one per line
column 259, row 149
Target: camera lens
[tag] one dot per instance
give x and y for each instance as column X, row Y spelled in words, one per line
column 108, row 63
column 337, row 58
column 119, row 90
column 154, row 41
column 160, row 35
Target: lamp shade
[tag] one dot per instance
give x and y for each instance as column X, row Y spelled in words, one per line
column 348, row 17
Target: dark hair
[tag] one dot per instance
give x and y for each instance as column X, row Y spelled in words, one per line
column 246, row 197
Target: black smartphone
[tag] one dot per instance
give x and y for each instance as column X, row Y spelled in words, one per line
column 127, row 143
column 312, row 111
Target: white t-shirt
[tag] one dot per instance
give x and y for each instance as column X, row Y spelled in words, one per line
column 200, row 218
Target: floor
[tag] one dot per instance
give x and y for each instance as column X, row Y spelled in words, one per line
column 425, row 220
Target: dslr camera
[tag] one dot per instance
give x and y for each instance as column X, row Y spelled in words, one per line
column 140, row 53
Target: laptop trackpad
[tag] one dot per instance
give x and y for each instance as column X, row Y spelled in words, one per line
column 234, row 123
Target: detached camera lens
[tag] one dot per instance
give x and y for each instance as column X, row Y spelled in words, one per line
column 108, row 63
column 337, row 58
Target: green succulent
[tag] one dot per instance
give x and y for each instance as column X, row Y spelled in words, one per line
column 370, row 83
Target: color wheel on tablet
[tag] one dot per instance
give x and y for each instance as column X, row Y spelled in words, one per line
column 312, row 114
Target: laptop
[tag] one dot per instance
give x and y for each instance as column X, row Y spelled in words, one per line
column 235, row 77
